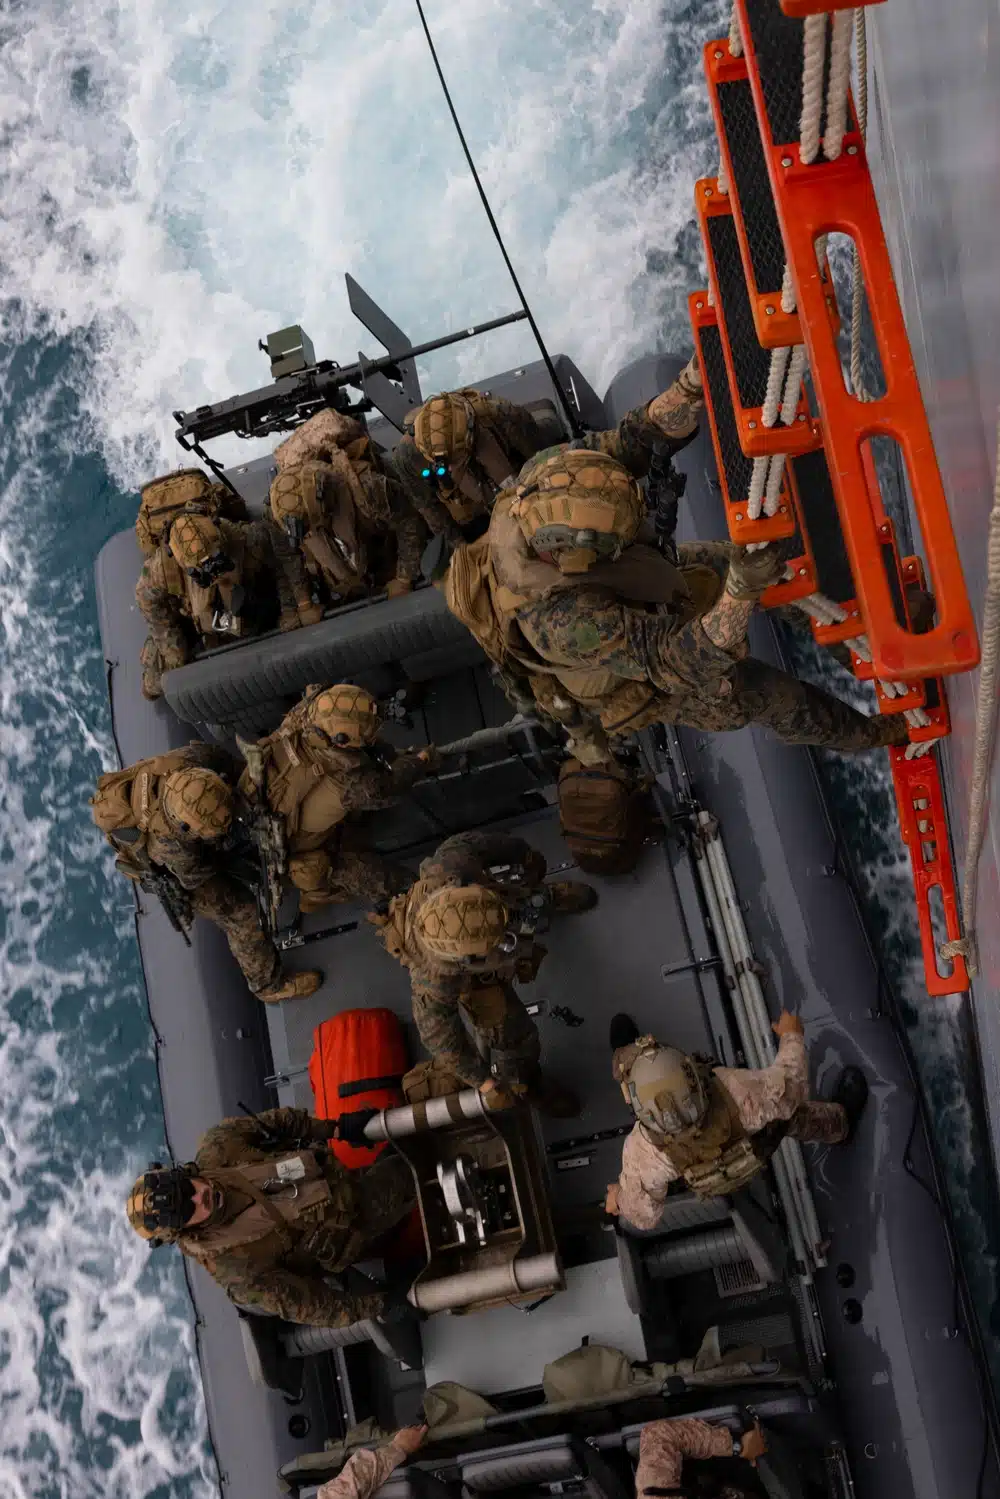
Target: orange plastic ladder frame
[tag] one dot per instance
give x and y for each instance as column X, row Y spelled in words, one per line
column 838, row 196
column 803, row 8
column 776, row 329
column 924, row 829
column 756, row 440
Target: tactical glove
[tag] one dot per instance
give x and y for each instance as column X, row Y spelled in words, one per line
column 347, row 1127
column 750, row 573
column 289, row 620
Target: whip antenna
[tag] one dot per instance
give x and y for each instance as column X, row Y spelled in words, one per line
column 571, row 417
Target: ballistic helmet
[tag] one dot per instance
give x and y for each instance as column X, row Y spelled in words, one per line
column 579, row 506
column 444, row 431
column 161, row 1202
column 196, row 545
column 664, row 1089
column 296, row 497
column 347, row 717
column 198, row 802
column 461, row 921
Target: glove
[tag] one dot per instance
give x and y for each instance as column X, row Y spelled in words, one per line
column 351, row 1127
column 429, row 757
column 501, row 1098
column 397, row 586
column 750, row 573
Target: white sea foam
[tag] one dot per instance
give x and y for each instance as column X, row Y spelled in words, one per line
column 176, row 181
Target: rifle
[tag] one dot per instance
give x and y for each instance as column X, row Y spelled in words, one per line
column 665, row 488
column 266, row 830
column 167, row 888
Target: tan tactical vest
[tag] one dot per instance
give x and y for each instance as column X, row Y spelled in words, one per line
column 716, row 1157
column 295, row 1209
column 130, row 799
column 491, row 580
column 306, row 791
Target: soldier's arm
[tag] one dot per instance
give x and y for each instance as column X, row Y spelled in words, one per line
column 439, row 1025
column 162, row 613
column 369, row 787
column 765, row 1094
column 191, row 864
column 517, row 431
column 294, row 587
column 364, row 1473
column 232, row 1139
column 645, row 1177
column 406, row 464
column 671, row 418
column 664, row 1445
column 297, row 1298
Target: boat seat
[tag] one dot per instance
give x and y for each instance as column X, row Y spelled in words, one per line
column 550, row 1465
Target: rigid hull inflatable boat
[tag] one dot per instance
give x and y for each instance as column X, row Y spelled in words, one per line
column 822, row 1299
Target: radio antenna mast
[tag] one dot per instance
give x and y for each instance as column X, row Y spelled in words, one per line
column 572, row 417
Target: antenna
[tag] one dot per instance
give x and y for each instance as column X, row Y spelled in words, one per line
column 573, row 419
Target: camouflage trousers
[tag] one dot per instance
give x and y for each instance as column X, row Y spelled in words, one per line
column 344, row 871
column 232, row 908
column 818, row 1123
column 797, row 712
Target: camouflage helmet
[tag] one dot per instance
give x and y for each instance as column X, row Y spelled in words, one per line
column 197, row 801
column 161, row 1202
column 664, row 1089
column 578, row 505
column 346, row 716
column 296, row 498
column 194, row 540
column 461, row 922
column 444, row 431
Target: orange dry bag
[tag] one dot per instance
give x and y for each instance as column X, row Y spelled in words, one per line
column 358, row 1061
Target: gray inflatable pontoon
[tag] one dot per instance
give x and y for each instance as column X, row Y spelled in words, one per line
column 852, row 1365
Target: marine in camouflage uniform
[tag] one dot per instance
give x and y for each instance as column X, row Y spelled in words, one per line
column 665, row 1446
column 346, row 526
column 274, row 1248
column 366, row 1471
column 208, row 583
column 461, row 449
column 594, row 620
column 717, row 1127
column 447, row 929
column 325, row 768
column 184, row 819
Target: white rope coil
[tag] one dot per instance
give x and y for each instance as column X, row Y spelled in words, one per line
column 772, row 494
column 838, row 84
column 793, row 384
column 787, row 290
column 813, row 59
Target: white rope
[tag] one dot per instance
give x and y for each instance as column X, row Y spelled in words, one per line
column 735, row 35
column 982, row 760
column 839, row 83
column 787, row 290
column 755, row 495
column 814, row 55
column 772, row 493
column 775, row 385
column 793, row 384
column 823, row 610
column 721, row 178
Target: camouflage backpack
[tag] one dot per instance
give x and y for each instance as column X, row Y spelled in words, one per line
column 185, row 489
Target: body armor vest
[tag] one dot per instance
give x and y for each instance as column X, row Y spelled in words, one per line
column 717, row 1157
column 201, row 605
column 308, row 792
column 296, row 1209
column 126, row 806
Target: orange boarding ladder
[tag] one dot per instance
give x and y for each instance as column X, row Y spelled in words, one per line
column 793, row 170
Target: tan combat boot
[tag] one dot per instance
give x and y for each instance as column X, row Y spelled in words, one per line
column 292, row 986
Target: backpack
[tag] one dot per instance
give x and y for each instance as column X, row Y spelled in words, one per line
column 161, row 499
column 125, row 801
column 604, row 817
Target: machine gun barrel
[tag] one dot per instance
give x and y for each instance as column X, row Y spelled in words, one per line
column 285, row 403
column 483, row 738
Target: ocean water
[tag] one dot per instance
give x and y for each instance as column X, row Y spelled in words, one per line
column 175, row 182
